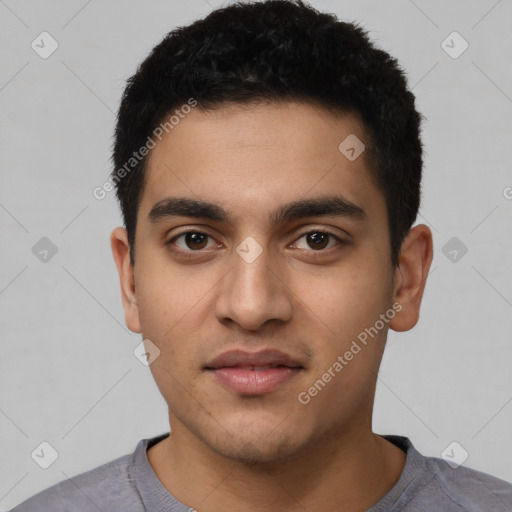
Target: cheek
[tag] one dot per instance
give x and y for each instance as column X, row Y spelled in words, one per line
column 172, row 305
column 348, row 299
column 166, row 295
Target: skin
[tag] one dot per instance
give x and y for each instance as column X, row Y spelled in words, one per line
column 268, row 452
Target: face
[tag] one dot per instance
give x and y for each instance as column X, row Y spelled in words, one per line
column 262, row 255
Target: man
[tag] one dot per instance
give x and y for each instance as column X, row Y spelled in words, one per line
column 268, row 166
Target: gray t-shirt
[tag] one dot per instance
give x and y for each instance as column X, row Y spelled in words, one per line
column 129, row 484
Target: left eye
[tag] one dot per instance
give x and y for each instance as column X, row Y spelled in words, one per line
column 318, row 240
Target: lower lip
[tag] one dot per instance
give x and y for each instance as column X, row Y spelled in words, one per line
column 254, row 382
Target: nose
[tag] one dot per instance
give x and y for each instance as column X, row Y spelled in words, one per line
column 254, row 293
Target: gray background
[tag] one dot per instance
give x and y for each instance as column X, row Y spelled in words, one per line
column 68, row 375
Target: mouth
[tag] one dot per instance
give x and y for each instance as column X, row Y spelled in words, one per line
column 253, row 374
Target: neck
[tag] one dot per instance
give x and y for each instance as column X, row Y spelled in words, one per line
column 352, row 470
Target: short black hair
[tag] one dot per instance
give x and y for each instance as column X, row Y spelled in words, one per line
column 276, row 50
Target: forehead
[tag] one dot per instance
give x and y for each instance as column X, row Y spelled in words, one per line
column 254, row 157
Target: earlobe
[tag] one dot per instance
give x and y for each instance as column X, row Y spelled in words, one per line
column 121, row 253
column 410, row 276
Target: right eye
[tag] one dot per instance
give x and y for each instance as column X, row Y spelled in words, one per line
column 191, row 241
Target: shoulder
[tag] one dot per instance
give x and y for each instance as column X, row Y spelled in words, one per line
column 107, row 487
column 431, row 483
column 471, row 490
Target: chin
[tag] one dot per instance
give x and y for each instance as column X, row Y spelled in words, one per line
column 258, row 442
column 257, row 436
column 259, row 451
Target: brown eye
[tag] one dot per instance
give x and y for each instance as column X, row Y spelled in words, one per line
column 191, row 241
column 317, row 240
column 196, row 240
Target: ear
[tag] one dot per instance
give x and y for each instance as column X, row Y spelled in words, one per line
column 121, row 253
column 411, row 275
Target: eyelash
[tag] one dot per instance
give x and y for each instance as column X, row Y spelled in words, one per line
column 191, row 253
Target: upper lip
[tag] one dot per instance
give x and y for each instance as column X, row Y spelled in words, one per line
column 241, row 358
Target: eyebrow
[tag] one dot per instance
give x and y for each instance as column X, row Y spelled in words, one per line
column 332, row 206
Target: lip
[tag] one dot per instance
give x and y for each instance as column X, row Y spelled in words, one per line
column 242, row 358
column 235, row 370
